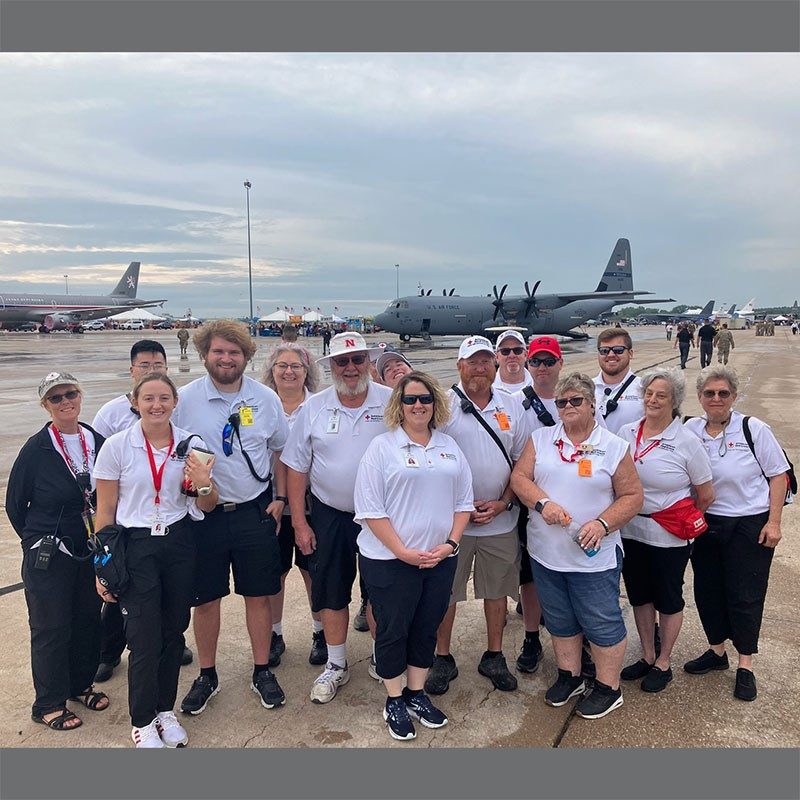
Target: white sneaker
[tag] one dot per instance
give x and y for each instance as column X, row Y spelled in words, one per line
column 372, row 669
column 147, row 736
column 173, row 734
column 326, row 685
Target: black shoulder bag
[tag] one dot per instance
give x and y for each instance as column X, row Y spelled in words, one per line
column 468, row 407
column 532, row 400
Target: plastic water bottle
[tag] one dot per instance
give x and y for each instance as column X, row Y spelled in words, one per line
column 574, row 529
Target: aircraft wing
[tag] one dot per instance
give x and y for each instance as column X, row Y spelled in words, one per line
column 571, row 297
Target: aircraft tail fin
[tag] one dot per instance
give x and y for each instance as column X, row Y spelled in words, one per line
column 618, row 276
column 731, row 310
column 129, row 282
column 747, row 308
column 708, row 310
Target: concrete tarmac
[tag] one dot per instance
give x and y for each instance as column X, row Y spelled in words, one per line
column 692, row 711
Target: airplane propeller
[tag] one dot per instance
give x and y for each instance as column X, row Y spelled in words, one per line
column 498, row 300
column 530, row 300
column 445, row 293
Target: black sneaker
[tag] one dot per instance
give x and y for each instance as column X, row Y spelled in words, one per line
column 656, row 679
column 657, row 641
column 443, row 671
column 530, row 656
column 745, row 685
column 105, row 670
column 420, row 707
column 566, row 686
column 588, row 669
column 496, row 669
column 266, row 686
column 360, row 620
column 395, row 713
column 187, row 657
column 706, row 662
column 319, row 649
column 277, row 647
column 633, row 672
column 600, row 701
column 198, row 696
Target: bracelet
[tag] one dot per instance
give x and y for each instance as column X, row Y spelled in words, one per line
column 284, row 500
column 604, row 524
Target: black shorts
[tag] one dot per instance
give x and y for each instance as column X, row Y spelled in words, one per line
column 655, row 575
column 525, row 572
column 332, row 565
column 289, row 548
column 243, row 539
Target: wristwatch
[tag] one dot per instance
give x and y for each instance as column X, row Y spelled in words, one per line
column 509, row 504
column 282, row 498
column 204, row 491
column 540, row 504
column 455, row 545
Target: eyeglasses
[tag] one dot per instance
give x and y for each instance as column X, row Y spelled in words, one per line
column 56, row 399
column 282, row 366
column 617, row 350
column 724, row 394
column 343, row 361
column 542, row 362
column 157, row 366
column 573, row 401
column 505, row 351
column 231, row 426
column 411, row 399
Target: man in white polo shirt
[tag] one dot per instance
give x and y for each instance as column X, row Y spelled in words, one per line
column 618, row 392
column 510, row 352
column 243, row 423
column 325, row 447
column 490, row 539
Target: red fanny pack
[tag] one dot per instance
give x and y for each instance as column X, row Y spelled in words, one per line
column 683, row 519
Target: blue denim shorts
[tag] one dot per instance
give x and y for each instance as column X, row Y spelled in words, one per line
column 582, row 602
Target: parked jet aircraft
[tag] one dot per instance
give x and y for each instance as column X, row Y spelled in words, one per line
column 59, row 311
column 453, row 315
column 693, row 315
column 746, row 311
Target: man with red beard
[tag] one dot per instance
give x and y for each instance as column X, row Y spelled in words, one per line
column 490, row 539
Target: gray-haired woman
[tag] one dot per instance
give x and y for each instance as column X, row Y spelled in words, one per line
column 672, row 466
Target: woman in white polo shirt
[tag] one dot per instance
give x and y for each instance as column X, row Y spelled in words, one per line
column 139, row 475
column 579, row 481
column 672, row 466
column 731, row 562
column 413, row 498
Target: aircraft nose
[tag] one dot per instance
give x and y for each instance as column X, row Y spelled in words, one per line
column 381, row 319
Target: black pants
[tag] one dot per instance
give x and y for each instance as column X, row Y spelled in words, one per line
column 706, row 349
column 64, row 617
column 731, row 573
column 156, row 608
column 112, row 641
column 683, row 348
column 409, row 604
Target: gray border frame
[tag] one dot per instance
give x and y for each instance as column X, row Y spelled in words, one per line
column 399, row 25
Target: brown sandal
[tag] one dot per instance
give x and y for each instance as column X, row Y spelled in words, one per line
column 58, row 723
column 92, row 699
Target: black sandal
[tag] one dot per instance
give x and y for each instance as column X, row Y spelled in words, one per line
column 58, row 723
column 91, row 699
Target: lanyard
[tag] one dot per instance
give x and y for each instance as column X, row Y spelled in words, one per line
column 638, row 456
column 63, row 447
column 580, row 452
column 158, row 474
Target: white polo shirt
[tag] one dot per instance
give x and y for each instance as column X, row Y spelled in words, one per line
column 417, row 487
column 115, row 416
column 630, row 404
column 72, row 441
column 328, row 440
column 513, row 387
column 204, row 410
column 490, row 470
column 739, row 486
column 667, row 473
column 290, row 420
column 583, row 498
column 124, row 458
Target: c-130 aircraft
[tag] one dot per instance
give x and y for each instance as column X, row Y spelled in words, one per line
column 557, row 314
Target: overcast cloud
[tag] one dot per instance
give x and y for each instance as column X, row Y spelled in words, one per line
column 467, row 170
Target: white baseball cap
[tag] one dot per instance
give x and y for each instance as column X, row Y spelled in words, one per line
column 474, row 344
column 510, row 334
column 346, row 343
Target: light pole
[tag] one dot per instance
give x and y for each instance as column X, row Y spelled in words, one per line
column 397, row 280
column 66, row 282
column 247, row 186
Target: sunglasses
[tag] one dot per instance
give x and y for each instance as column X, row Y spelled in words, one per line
column 724, row 394
column 231, row 426
column 506, row 351
column 55, row 399
column 282, row 366
column 411, row 399
column 573, row 401
column 617, row 350
column 542, row 362
column 343, row 361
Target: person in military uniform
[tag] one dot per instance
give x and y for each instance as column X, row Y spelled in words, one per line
column 724, row 343
column 183, row 338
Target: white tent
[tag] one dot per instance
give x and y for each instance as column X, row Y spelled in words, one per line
column 137, row 313
column 281, row 315
column 780, row 318
column 334, row 318
column 312, row 316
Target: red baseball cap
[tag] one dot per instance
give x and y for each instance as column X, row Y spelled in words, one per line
column 545, row 344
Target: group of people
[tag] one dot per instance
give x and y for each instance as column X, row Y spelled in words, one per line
column 706, row 338
column 539, row 486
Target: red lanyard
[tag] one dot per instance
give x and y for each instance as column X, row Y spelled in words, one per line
column 574, row 457
column 70, row 463
column 637, row 456
column 158, row 474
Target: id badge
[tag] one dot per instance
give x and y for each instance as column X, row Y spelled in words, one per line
column 585, row 468
column 333, row 423
column 158, row 528
column 502, row 421
column 411, row 462
column 246, row 416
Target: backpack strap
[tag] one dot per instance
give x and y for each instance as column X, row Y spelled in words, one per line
column 468, row 407
column 791, row 479
column 613, row 402
column 532, row 400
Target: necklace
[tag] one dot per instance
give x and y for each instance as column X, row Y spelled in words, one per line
column 722, row 449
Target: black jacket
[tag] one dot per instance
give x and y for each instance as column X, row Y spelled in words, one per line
column 40, row 486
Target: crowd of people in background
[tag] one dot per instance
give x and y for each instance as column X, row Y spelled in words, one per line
column 542, row 485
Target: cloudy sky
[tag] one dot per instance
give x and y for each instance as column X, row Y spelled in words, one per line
column 466, row 170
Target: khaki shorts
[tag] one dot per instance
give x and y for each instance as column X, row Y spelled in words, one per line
column 497, row 560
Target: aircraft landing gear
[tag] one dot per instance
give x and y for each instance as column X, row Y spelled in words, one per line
column 405, row 337
column 42, row 329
